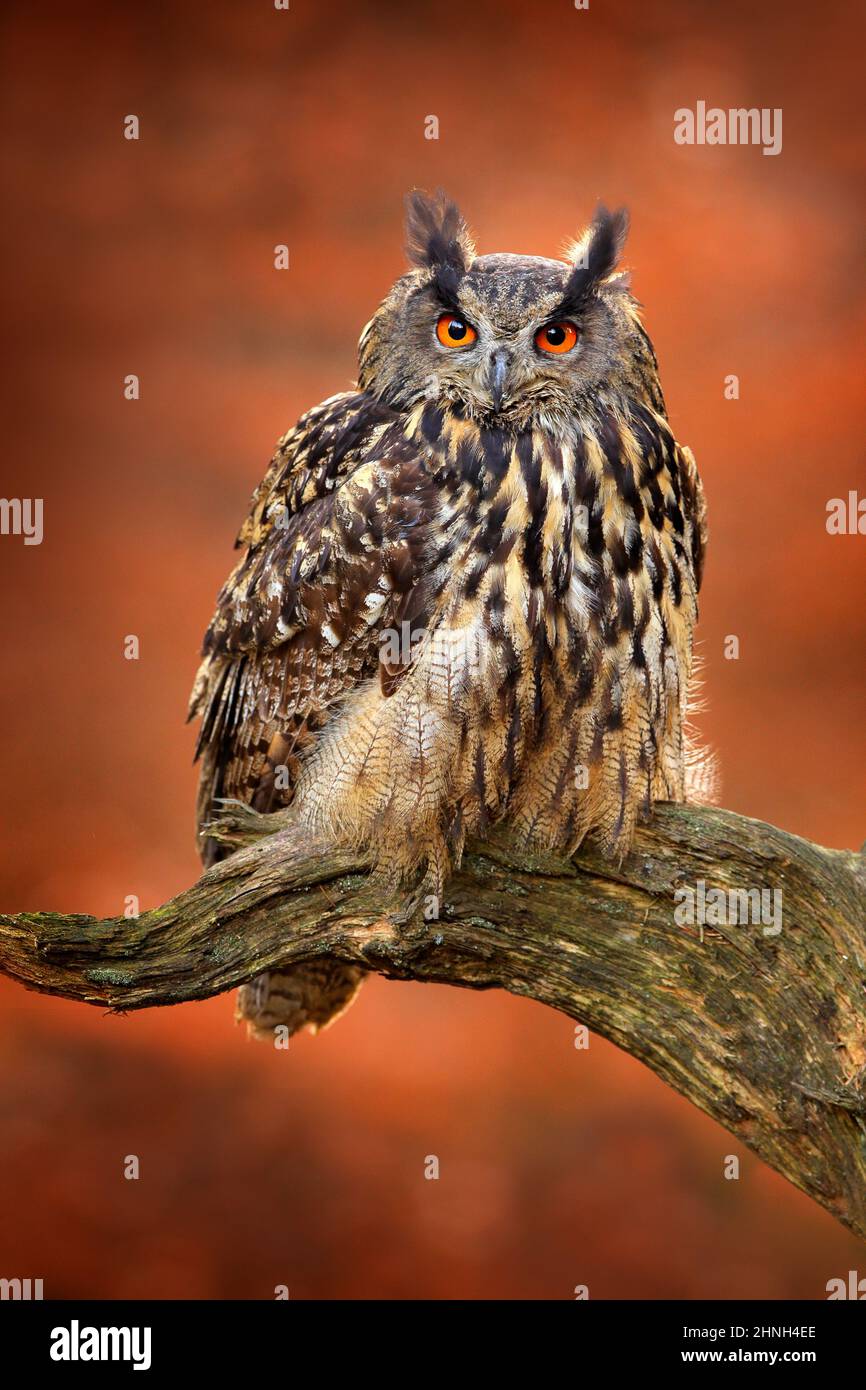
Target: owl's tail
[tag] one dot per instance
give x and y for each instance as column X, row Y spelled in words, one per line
column 310, row 996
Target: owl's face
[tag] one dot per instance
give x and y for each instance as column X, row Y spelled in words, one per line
column 508, row 339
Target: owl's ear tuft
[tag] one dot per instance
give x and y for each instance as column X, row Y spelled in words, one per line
column 595, row 256
column 438, row 239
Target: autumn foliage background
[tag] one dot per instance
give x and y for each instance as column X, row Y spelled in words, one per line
column 155, row 257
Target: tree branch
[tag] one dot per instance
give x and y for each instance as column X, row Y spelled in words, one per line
column 764, row 1030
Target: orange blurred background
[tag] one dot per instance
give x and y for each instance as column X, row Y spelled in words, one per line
column 558, row 1167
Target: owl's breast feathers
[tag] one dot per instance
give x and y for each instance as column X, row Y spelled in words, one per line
column 437, row 623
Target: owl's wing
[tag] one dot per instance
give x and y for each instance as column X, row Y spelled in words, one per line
column 337, row 542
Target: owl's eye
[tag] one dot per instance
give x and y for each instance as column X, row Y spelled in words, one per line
column 454, row 332
column 556, row 337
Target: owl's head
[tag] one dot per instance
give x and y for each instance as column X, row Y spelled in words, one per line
column 508, row 339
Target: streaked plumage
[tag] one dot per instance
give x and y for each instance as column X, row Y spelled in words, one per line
column 469, row 587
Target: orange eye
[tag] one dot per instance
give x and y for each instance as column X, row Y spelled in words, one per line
column 556, row 337
column 454, row 332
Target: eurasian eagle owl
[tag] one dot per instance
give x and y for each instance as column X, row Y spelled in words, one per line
column 469, row 586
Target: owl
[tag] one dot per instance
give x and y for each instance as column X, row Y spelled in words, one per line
column 468, row 587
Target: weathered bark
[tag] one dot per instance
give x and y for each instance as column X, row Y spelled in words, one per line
column 766, row 1033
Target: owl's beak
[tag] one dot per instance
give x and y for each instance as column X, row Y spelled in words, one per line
column 497, row 373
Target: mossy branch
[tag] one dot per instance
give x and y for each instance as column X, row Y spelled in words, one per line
column 765, row 1030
